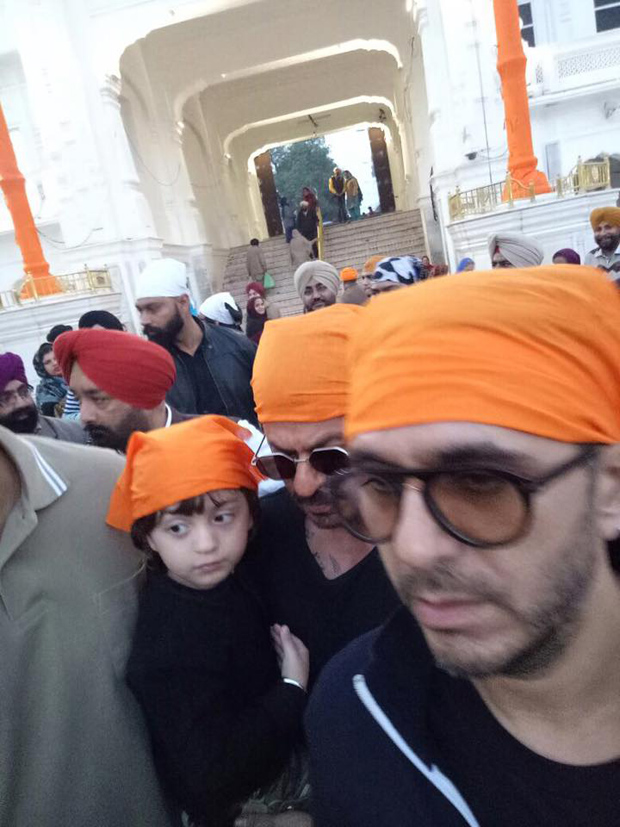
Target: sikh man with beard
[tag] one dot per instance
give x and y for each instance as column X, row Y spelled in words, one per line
column 18, row 411
column 485, row 462
column 318, row 285
column 315, row 577
column 121, row 381
column 213, row 363
column 605, row 223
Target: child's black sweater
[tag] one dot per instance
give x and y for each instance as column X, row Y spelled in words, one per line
column 221, row 721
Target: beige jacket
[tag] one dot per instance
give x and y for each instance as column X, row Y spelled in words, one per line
column 255, row 262
column 73, row 748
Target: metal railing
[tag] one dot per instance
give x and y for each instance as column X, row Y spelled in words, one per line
column 584, row 177
column 30, row 291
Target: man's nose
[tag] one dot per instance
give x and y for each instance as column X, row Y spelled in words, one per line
column 418, row 541
column 307, row 480
column 88, row 412
column 21, row 403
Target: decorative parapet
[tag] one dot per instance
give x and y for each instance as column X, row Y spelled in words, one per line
column 35, row 291
column 584, row 177
column 569, row 68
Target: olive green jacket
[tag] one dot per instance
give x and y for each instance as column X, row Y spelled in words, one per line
column 73, row 747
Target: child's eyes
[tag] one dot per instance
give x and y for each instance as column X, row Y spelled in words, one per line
column 178, row 529
column 224, row 518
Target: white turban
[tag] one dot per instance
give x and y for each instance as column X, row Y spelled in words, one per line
column 519, row 250
column 216, row 308
column 164, row 277
column 320, row 271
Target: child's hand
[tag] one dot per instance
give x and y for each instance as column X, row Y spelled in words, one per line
column 293, row 656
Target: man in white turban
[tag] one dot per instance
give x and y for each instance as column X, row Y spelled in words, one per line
column 318, row 284
column 213, row 363
column 514, row 250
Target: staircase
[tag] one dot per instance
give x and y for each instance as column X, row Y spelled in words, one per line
column 346, row 245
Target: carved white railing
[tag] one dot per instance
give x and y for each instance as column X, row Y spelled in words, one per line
column 562, row 67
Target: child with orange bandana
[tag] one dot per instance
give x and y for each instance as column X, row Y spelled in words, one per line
column 223, row 712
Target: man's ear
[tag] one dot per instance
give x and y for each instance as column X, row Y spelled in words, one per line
column 183, row 302
column 608, row 492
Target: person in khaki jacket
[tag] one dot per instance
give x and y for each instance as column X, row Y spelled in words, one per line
column 256, row 262
column 73, row 745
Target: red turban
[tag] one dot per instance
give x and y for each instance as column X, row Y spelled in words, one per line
column 134, row 370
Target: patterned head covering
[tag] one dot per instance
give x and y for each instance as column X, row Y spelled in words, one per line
column 401, row 270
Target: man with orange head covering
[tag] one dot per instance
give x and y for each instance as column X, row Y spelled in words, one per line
column 368, row 271
column 352, row 293
column 605, row 222
column 327, row 585
column 121, row 381
column 484, row 426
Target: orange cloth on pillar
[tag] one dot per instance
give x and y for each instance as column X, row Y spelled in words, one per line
column 534, row 350
column 300, row 368
column 172, row 464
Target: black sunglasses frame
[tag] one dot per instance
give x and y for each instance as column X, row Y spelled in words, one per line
column 526, row 486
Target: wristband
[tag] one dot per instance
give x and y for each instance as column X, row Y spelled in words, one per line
column 293, row 682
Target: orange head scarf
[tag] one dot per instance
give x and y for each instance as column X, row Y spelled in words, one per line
column 370, row 265
column 602, row 215
column 349, row 274
column 172, row 464
column 300, row 367
column 534, row 350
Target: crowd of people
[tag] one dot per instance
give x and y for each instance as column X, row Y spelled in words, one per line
column 358, row 567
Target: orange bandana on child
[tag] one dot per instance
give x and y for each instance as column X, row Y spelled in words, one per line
column 534, row 350
column 173, row 464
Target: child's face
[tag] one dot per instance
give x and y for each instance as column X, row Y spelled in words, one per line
column 202, row 550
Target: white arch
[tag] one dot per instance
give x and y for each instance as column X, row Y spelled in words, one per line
column 302, row 113
column 358, row 44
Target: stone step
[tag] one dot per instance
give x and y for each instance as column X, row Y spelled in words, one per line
column 346, row 245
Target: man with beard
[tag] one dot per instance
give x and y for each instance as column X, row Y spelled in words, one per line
column 606, row 225
column 213, row 364
column 485, row 462
column 326, row 585
column 318, row 285
column 121, row 382
column 18, row 411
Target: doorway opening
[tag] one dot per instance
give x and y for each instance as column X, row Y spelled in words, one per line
column 285, row 170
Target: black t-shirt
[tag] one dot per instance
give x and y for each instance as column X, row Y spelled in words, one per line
column 505, row 783
column 325, row 614
column 203, row 668
column 207, row 398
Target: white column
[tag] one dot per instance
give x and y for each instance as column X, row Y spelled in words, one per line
column 133, row 217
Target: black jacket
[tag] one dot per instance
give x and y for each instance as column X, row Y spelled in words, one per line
column 230, row 358
column 371, row 759
column 307, row 224
column 222, row 722
column 326, row 614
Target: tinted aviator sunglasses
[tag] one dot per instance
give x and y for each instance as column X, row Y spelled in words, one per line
column 280, row 466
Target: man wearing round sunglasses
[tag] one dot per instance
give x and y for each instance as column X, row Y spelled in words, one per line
column 325, row 584
column 486, row 464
